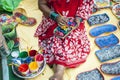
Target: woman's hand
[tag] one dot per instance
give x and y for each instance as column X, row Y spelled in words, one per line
column 61, row 20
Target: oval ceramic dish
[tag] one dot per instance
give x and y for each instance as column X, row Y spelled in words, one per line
column 30, row 75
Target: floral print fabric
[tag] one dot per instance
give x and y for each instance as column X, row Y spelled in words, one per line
column 74, row 49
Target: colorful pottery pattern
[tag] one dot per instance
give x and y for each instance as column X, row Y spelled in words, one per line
column 97, row 31
column 98, row 19
column 6, row 19
column 106, row 41
column 102, row 3
column 63, row 31
column 22, row 19
column 90, row 75
column 111, row 68
column 17, row 18
column 8, row 26
column 116, row 10
column 110, row 53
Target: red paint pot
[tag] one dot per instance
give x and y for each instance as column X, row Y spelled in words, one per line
column 32, row 53
column 24, row 69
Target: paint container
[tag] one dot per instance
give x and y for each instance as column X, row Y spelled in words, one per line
column 23, row 55
column 39, row 59
column 23, row 69
column 32, row 53
column 33, row 66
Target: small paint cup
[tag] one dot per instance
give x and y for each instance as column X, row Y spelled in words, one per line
column 23, row 55
column 23, row 69
column 39, row 59
column 28, row 60
column 33, row 66
column 32, row 53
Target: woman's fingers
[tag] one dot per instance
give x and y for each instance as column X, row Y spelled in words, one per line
column 61, row 21
column 60, row 24
column 77, row 21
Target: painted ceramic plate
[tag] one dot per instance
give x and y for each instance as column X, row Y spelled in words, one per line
column 116, row 10
column 30, row 75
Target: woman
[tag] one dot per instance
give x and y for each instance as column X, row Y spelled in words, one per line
column 74, row 49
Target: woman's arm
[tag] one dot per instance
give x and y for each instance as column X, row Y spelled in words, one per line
column 49, row 13
column 42, row 4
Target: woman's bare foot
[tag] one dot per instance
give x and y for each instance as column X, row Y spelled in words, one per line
column 59, row 71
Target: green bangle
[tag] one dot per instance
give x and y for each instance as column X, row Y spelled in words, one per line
column 81, row 19
column 53, row 15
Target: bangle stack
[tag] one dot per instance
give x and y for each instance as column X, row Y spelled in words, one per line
column 53, row 15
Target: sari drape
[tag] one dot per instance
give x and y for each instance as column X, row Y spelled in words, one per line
column 74, row 49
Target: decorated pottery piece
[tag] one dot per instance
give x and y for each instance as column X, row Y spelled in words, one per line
column 116, row 10
column 63, row 31
column 8, row 26
column 90, row 75
column 102, row 29
column 111, row 68
column 24, row 20
column 109, row 53
column 102, row 3
column 106, row 41
column 6, row 19
column 98, row 19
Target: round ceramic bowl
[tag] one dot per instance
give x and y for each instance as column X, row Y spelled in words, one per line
column 29, row 75
column 116, row 10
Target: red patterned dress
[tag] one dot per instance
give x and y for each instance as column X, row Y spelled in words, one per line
column 74, row 49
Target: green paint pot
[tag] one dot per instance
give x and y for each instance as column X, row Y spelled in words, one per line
column 23, row 55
